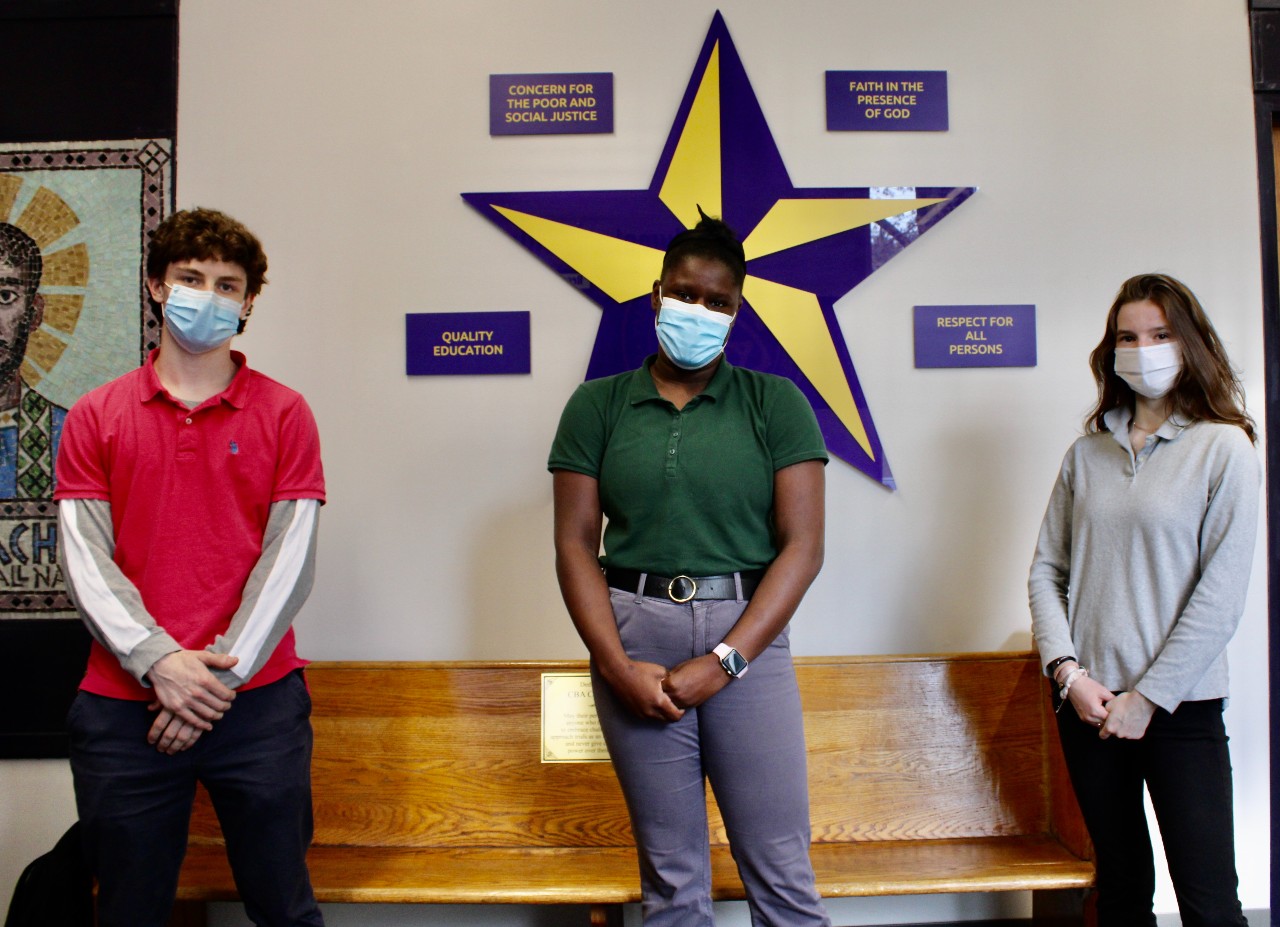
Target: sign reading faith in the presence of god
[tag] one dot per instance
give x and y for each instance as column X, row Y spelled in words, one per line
column 887, row 101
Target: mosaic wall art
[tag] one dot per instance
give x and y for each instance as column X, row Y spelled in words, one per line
column 74, row 220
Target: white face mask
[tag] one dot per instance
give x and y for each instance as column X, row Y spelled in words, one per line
column 1152, row 370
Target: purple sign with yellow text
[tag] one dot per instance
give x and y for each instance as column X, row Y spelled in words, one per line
column 452, row 343
column 550, row 104
column 975, row 336
column 887, row 101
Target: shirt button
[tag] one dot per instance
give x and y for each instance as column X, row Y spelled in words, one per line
column 672, row 452
column 188, row 421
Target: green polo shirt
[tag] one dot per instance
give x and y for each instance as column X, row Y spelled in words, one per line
column 687, row 490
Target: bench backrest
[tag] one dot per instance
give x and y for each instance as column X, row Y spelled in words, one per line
column 448, row 755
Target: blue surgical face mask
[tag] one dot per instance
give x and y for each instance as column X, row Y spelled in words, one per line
column 691, row 336
column 200, row 320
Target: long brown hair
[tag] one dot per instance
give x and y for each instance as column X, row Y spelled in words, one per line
column 1207, row 389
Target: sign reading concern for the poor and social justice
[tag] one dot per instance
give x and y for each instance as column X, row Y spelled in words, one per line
column 975, row 336
column 550, row 104
column 570, row 730
column 466, row 342
column 887, row 101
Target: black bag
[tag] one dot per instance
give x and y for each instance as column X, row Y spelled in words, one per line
column 56, row 889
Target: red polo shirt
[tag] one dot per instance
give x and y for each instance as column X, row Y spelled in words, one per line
column 190, row 492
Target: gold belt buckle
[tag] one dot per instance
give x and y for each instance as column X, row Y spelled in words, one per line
column 693, row 588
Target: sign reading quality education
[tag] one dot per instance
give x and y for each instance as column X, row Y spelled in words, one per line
column 451, row 343
column 887, row 101
column 550, row 104
column 975, row 336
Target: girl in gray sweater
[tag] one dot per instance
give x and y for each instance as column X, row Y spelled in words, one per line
column 1137, row 585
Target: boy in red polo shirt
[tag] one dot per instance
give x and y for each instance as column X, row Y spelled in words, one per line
column 188, row 492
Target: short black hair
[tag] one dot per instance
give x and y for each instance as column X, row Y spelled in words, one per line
column 711, row 239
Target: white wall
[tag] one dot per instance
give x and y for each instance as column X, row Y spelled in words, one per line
column 1106, row 139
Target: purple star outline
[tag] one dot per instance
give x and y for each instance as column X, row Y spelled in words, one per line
column 753, row 179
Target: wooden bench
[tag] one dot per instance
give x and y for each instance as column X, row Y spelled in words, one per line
column 927, row 774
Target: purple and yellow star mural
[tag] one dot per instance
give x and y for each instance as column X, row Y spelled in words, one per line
column 805, row 247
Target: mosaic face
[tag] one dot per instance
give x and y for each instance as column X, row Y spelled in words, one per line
column 73, row 315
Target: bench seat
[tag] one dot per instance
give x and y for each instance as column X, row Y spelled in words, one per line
column 927, row 774
column 607, row 875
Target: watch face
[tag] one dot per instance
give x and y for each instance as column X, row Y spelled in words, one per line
column 734, row 663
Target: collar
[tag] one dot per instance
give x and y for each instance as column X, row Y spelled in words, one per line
column 643, row 389
column 1120, row 418
column 235, row 395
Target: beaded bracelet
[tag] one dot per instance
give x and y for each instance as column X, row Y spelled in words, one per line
column 1071, row 678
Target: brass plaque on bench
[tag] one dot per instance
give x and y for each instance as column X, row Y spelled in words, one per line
column 570, row 731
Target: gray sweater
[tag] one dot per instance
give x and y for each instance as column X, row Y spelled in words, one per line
column 1143, row 561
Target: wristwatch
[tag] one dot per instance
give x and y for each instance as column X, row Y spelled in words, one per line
column 734, row 663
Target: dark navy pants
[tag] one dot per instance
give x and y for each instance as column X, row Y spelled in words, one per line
column 1184, row 761
column 747, row 740
column 135, row 803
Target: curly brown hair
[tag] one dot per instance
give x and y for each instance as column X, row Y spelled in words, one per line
column 205, row 235
column 1207, row 389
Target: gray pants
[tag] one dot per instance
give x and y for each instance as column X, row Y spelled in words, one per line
column 748, row 740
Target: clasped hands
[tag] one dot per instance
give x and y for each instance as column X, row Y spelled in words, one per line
column 189, row 698
column 650, row 690
column 1126, row 716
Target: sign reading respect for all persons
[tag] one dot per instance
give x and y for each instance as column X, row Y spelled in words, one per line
column 887, row 101
column 975, row 336
column 550, row 104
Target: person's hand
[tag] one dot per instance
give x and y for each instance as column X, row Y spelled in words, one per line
column 1089, row 698
column 1128, row 716
column 639, row 685
column 187, row 692
column 694, row 681
column 169, row 733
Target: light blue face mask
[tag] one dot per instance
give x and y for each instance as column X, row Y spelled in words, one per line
column 691, row 336
column 200, row 320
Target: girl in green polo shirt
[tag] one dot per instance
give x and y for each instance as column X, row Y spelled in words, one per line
column 711, row 479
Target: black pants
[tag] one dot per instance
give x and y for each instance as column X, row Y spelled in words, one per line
column 1184, row 761
column 135, row 803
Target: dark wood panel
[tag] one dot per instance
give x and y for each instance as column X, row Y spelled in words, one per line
column 88, row 71
column 47, row 659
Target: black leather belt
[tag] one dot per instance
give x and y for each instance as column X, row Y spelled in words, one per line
column 685, row 588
